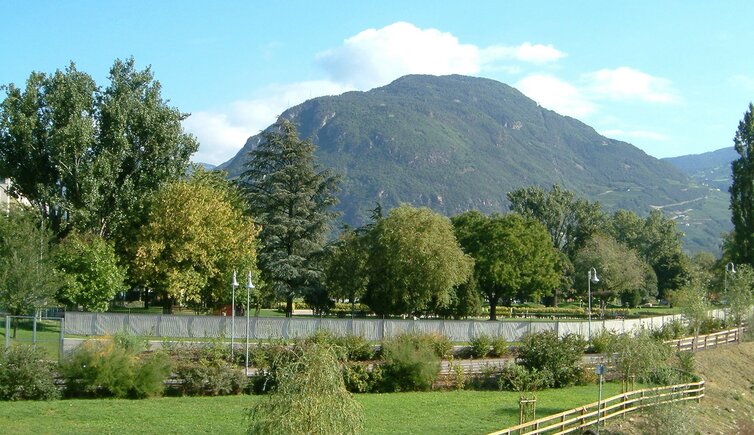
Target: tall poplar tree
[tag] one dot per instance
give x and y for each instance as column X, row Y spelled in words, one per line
column 742, row 191
column 291, row 198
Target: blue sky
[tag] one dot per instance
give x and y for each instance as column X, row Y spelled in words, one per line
column 671, row 77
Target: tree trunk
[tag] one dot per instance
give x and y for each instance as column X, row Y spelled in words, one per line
column 493, row 310
column 167, row 305
column 289, row 306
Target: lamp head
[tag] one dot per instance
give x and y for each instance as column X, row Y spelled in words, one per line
column 593, row 276
column 235, row 281
column 249, row 284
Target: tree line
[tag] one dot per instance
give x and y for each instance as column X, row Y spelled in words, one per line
column 116, row 206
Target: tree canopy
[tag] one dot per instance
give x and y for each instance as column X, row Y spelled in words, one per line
column 415, row 260
column 195, row 236
column 291, row 198
column 88, row 157
column 28, row 279
column 742, row 192
column 513, row 256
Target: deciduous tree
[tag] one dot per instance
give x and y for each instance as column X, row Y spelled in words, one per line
column 90, row 270
column 196, row 235
column 513, row 256
column 414, row 260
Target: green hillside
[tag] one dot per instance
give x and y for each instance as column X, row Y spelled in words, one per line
column 455, row 143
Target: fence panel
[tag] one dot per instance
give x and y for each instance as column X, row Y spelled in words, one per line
column 45, row 334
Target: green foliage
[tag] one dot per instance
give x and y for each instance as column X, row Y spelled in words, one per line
column 91, row 271
column 415, row 261
column 89, row 157
column 516, row 377
column 27, row 275
column 619, row 269
column 116, row 368
column 513, row 256
column 570, row 221
column 638, row 356
column 741, row 250
column 310, row 397
column 195, row 236
column 693, row 302
column 739, row 294
column 672, row 330
column 360, row 379
column 500, row 347
column 657, row 240
column 480, row 346
column 668, row 419
column 290, row 197
column 346, row 266
column 601, row 342
column 25, row 375
column 210, row 378
column 410, row 364
column 561, row 357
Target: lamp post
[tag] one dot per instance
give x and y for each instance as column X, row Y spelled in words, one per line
column 233, row 285
column 592, row 279
column 730, row 267
column 249, row 286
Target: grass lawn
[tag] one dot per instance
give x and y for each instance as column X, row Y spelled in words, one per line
column 450, row 412
column 47, row 335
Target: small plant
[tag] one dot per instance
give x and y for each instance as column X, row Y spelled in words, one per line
column 500, row 347
column 458, row 374
column 410, row 364
column 480, row 346
column 686, row 362
column 205, row 378
column 310, row 397
column 357, row 348
column 601, row 342
column 114, row 368
column 24, row 375
column 672, row 330
column 561, row 357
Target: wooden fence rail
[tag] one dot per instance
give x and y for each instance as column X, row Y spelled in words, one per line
column 708, row 341
column 588, row 415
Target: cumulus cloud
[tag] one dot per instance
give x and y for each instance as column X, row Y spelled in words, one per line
column 526, row 52
column 224, row 130
column 375, row 57
column 371, row 58
column 626, row 83
column 555, row 94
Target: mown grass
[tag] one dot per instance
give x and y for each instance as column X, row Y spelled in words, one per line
column 449, row 412
column 47, row 335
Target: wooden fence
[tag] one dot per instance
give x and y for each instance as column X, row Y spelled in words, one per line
column 588, row 415
column 708, row 341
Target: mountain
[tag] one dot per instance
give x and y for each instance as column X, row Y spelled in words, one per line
column 711, row 168
column 455, row 143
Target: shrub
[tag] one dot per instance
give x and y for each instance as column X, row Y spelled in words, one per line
column 672, row 330
column 500, row 347
column 711, row 324
column 544, row 351
column 636, row 356
column 357, row 348
column 480, row 346
column 359, row 379
column 310, row 398
column 205, row 378
column 114, row 368
column 410, row 364
column 601, row 342
column 515, row 377
column 488, row 379
column 24, row 375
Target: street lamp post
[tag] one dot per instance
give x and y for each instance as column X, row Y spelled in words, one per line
column 233, row 285
column 249, row 286
column 730, row 267
column 592, row 279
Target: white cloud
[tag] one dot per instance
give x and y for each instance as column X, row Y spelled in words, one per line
column 635, row 134
column 555, row 94
column 371, row 58
column 375, row 57
column 223, row 131
column 526, row 52
column 626, row 83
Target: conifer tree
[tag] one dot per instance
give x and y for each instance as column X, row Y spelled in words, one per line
column 291, row 198
column 742, row 191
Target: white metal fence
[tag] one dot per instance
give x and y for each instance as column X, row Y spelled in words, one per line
column 263, row 328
